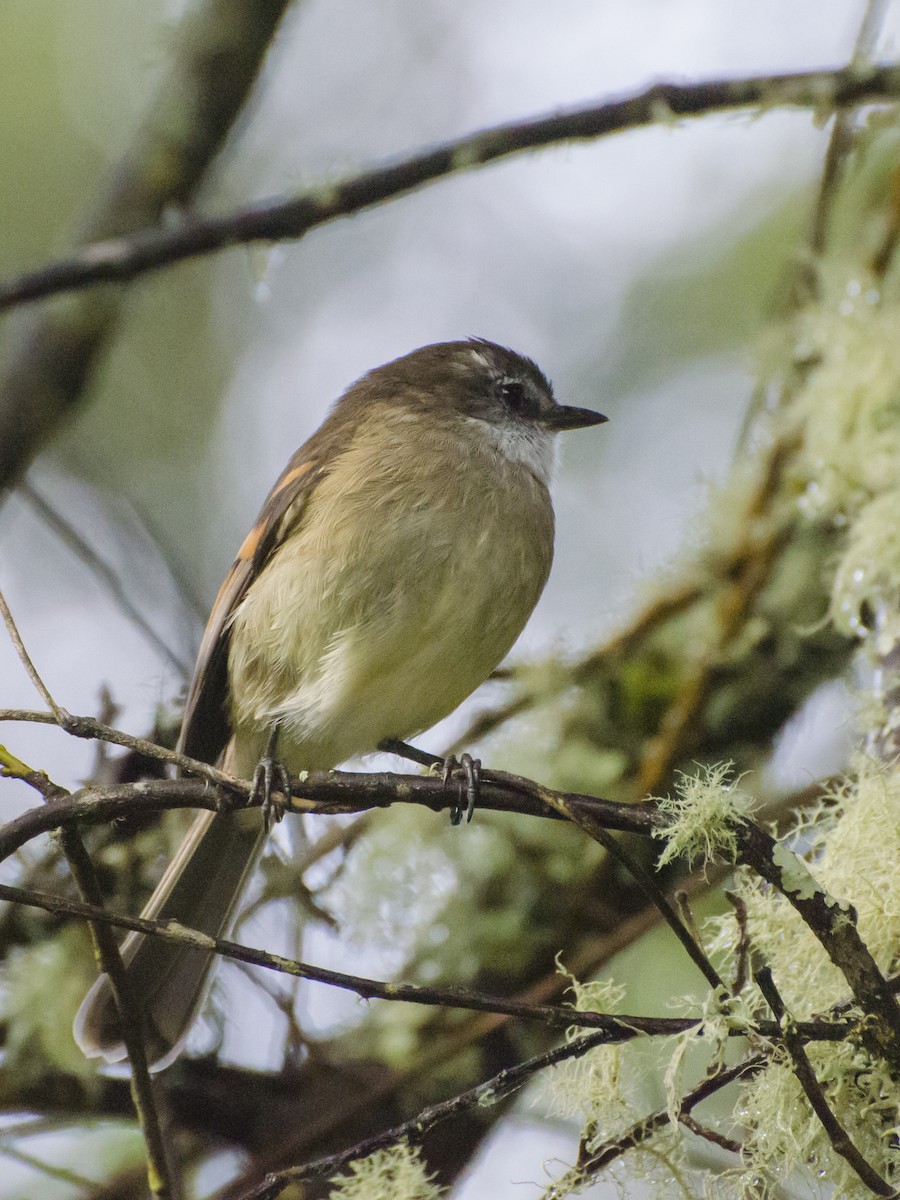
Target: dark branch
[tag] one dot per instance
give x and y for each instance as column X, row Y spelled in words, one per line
column 840, row 1140
column 488, row 1093
column 834, row 923
column 160, row 1162
column 618, row 1027
column 214, row 62
column 643, row 1130
column 276, row 219
column 106, row 575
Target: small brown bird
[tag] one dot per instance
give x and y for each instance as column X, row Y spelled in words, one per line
column 393, row 565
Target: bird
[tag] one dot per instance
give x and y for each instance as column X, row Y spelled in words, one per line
column 393, row 565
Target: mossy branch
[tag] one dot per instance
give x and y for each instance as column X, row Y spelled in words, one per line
column 124, row 258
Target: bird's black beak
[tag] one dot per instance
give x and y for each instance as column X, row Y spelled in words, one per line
column 563, row 417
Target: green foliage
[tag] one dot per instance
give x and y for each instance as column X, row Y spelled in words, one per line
column 44, row 984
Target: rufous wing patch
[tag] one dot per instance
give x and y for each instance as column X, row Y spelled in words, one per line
column 205, row 729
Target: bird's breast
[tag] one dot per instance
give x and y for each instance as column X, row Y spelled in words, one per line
column 413, row 570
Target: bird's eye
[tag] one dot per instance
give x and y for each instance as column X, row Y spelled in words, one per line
column 514, row 394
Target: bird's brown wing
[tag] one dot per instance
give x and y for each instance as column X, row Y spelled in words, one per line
column 206, row 727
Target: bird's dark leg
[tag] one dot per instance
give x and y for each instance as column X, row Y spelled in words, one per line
column 470, row 769
column 270, row 776
column 413, row 753
column 467, row 766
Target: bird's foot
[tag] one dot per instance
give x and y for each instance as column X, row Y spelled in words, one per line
column 270, row 777
column 467, row 773
column 466, row 769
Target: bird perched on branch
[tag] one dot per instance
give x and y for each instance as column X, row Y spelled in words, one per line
column 393, row 565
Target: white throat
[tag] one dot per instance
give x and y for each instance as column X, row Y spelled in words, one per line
column 524, row 445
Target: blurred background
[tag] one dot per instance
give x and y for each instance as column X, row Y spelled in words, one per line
column 638, row 270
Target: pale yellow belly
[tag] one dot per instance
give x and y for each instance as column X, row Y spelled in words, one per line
column 379, row 622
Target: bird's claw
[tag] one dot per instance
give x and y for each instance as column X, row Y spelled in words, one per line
column 469, row 770
column 270, row 777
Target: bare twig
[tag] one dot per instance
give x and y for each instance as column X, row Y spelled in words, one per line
column 834, row 923
column 841, row 141
column 643, row 1130
column 686, row 913
column 486, row 1094
column 709, row 1135
column 642, row 877
column 586, row 821
column 102, row 571
column 618, row 1028
column 84, row 1185
column 161, row 1177
column 323, row 792
column 742, row 955
column 90, row 728
column 123, row 258
column 349, row 792
column 59, row 714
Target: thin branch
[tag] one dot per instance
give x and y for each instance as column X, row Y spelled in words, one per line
column 486, row 1094
column 59, row 715
column 52, row 1171
column 588, row 823
column 322, row 792
column 214, row 62
column 709, row 1135
column 335, row 791
column 90, row 728
column 841, row 141
column 834, row 924
column 445, row 1047
column 643, row 1130
column 584, row 821
column 123, row 258
column 754, row 559
column 103, row 572
column 285, row 1002
column 830, row 921
column 618, row 1028
column 742, row 953
column 840, row 1140
column 161, row 1178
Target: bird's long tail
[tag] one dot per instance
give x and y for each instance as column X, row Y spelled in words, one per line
column 200, row 889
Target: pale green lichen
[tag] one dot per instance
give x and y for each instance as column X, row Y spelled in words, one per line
column 785, row 1139
column 718, row 1016
column 796, row 879
column 852, row 843
column 849, row 409
column 397, row 1172
column 702, row 815
column 864, row 594
column 852, row 840
column 594, row 1088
